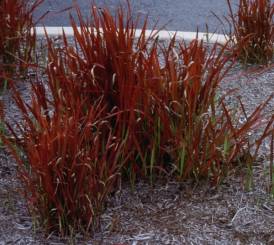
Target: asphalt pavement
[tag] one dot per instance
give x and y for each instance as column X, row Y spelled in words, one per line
column 180, row 15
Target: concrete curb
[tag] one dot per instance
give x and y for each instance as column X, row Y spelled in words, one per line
column 163, row 35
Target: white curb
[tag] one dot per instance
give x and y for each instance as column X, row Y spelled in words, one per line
column 163, row 35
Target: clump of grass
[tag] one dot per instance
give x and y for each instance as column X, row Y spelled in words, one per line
column 116, row 105
column 17, row 41
column 165, row 108
column 109, row 62
column 253, row 31
column 67, row 162
column 197, row 132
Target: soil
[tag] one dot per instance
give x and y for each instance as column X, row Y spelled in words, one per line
column 167, row 212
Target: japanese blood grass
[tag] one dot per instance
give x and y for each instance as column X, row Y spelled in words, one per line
column 194, row 134
column 168, row 109
column 253, row 30
column 117, row 105
column 17, row 41
column 108, row 61
column 70, row 162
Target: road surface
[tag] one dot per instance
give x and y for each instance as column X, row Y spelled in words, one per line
column 181, row 15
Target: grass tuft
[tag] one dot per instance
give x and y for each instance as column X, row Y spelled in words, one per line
column 17, row 41
column 253, row 30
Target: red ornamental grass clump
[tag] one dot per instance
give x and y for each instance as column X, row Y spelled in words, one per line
column 108, row 62
column 17, row 41
column 77, row 135
column 253, row 30
column 119, row 105
column 67, row 162
column 163, row 107
column 195, row 130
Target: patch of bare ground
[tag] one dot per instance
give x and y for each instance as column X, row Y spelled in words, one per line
column 168, row 212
